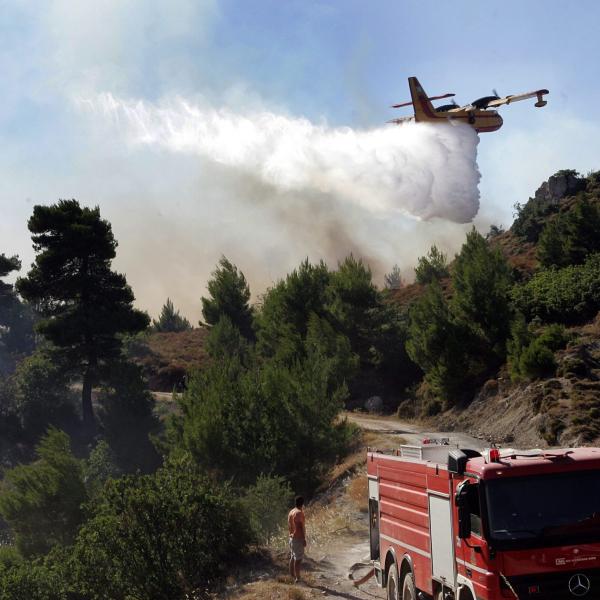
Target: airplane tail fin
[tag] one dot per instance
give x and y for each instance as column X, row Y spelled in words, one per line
column 424, row 110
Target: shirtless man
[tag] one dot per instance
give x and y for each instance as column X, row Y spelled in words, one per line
column 297, row 538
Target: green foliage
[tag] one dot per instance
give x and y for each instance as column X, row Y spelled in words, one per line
column 567, row 295
column 286, row 310
column 439, row 344
column 269, row 418
column 42, row 502
column 570, row 237
column 100, row 466
column 127, row 418
column 230, row 297
column 532, row 356
column 84, row 304
column 43, row 396
column 32, row 581
column 531, row 217
column 432, row 267
column 457, row 343
column 224, row 340
column 16, row 319
column 332, row 350
column 170, row 319
column 340, row 304
column 353, row 304
column 166, row 535
column 10, row 424
column 520, row 339
column 266, row 503
column 481, row 281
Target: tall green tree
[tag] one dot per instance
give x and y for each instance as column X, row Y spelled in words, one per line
column 229, row 295
column 170, row 320
column 287, row 308
column 439, row 343
column 270, row 418
column 482, row 281
column 84, row 304
column 354, row 302
column 432, row 267
column 43, row 502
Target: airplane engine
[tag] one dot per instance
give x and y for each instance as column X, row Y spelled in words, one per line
column 540, row 101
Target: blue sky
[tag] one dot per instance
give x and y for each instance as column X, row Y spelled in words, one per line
column 337, row 62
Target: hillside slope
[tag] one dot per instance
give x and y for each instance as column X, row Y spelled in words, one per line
column 562, row 407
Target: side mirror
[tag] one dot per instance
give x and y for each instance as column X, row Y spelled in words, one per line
column 464, row 512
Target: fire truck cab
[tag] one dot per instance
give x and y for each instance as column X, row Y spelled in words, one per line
column 449, row 523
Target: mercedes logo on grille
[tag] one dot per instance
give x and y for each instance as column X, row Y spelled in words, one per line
column 579, row 585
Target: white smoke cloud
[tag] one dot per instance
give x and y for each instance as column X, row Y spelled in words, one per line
column 420, row 170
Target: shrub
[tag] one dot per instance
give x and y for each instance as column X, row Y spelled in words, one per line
column 31, row 581
column 167, row 535
column 567, row 295
column 42, row 502
column 242, row 422
column 536, row 361
column 267, row 503
column 432, row 267
column 532, row 356
column 42, row 394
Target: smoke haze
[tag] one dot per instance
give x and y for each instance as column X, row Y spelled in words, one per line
column 189, row 183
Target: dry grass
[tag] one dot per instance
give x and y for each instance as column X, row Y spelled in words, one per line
column 358, row 492
column 167, row 357
column 271, row 590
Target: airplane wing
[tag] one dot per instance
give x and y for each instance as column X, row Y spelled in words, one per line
column 517, row 97
column 430, row 98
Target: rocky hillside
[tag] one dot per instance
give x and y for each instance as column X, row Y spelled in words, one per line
column 562, row 406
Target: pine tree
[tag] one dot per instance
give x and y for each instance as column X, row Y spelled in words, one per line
column 432, row 267
column 482, row 281
column 84, row 305
column 393, row 280
column 170, row 319
column 229, row 296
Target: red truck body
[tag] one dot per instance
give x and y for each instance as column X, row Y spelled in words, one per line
column 466, row 527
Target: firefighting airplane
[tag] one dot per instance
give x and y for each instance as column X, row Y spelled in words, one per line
column 476, row 114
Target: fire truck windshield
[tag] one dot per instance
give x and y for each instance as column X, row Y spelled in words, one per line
column 543, row 510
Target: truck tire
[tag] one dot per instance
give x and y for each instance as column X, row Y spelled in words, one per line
column 409, row 591
column 393, row 588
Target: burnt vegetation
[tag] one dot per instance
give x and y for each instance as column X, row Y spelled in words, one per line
column 107, row 493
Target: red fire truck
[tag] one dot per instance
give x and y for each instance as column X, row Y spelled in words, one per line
column 457, row 524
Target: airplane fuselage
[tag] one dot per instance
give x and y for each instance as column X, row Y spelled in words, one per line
column 482, row 121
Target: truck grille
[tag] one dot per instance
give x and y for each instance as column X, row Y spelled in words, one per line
column 584, row 584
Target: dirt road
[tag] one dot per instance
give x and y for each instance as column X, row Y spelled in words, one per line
column 330, row 563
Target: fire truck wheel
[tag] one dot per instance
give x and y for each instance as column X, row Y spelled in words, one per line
column 409, row 591
column 393, row 590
